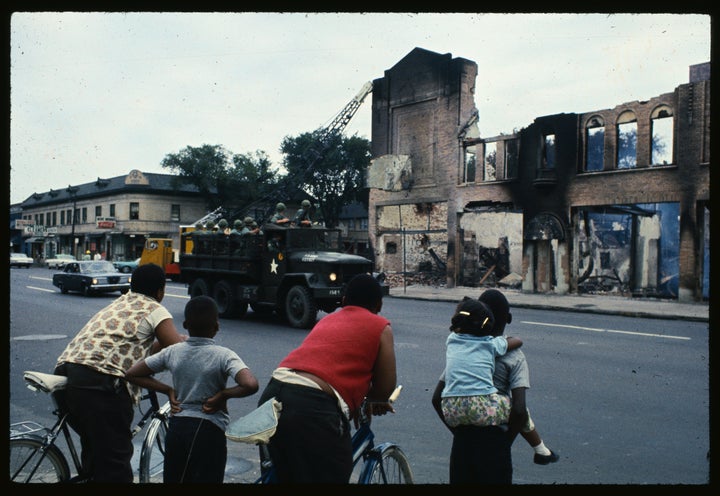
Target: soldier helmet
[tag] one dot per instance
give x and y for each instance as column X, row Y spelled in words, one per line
column 305, row 204
column 237, row 223
column 209, row 224
column 280, row 207
column 254, row 224
column 248, row 221
column 222, row 224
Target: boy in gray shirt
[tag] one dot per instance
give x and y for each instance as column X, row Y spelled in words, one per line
column 512, row 375
column 196, row 446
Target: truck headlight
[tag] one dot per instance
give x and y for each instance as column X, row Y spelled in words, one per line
column 332, row 276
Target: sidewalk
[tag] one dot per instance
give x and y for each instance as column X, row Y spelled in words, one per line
column 615, row 305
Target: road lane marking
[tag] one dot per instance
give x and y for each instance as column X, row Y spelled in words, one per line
column 186, row 297
column 615, row 331
column 41, row 289
column 54, row 291
column 35, row 337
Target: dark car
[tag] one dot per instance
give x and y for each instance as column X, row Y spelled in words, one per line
column 91, row 276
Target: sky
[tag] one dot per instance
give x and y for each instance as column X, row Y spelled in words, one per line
column 96, row 94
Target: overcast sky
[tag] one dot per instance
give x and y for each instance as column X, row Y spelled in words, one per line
column 99, row 94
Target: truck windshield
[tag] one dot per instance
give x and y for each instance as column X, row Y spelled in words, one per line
column 314, row 239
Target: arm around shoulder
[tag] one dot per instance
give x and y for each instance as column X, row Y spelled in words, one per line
column 513, row 343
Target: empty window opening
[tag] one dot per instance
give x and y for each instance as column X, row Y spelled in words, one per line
column 490, row 162
column 594, row 144
column 626, row 141
column 662, row 136
column 549, row 152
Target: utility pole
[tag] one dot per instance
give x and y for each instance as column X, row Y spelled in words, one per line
column 72, row 191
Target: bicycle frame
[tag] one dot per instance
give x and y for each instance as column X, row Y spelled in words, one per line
column 49, row 436
column 363, row 447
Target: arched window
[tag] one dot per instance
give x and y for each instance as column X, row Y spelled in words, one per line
column 662, row 136
column 627, row 140
column 594, row 144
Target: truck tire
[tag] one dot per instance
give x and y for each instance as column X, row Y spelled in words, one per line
column 224, row 296
column 300, row 308
column 198, row 288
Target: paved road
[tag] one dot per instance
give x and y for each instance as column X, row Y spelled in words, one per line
column 615, row 305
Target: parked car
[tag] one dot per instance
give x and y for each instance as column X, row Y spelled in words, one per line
column 126, row 266
column 20, row 260
column 91, row 276
column 59, row 261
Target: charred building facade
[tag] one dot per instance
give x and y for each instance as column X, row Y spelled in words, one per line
column 614, row 200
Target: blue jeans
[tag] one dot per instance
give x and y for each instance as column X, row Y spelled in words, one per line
column 196, row 451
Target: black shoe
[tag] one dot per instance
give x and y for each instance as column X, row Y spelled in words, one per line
column 545, row 459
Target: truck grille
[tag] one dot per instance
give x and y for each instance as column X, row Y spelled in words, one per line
column 347, row 272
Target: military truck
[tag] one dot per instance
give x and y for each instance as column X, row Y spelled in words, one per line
column 293, row 271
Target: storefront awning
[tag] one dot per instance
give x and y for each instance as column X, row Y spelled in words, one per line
column 35, row 239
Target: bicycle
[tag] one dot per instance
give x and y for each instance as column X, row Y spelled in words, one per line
column 35, row 456
column 385, row 463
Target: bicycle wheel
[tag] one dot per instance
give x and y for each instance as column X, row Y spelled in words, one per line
column 152, row 453
column 387, row 464
column 28, row 463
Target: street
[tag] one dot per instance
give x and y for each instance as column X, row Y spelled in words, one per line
column 622, row 400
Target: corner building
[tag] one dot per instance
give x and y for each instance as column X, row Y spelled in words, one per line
column 112, row 216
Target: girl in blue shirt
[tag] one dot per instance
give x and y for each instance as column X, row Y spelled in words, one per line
column 469, row 396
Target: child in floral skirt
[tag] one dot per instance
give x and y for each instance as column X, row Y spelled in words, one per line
column 469, row 396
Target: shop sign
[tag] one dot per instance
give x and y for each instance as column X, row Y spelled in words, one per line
column 22, row 223
column 105, row 222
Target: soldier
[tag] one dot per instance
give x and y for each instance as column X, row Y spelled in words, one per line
column 237, row 226
column 223, row 227
column 302, row 217
column 279, row 217
column 247, row 229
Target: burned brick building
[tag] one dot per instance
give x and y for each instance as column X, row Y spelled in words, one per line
column 613, row 200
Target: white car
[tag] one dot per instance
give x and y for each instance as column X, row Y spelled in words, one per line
column 59, row 261
column 21, row 260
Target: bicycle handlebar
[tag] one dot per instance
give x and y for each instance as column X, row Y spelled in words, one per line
column 395, row 394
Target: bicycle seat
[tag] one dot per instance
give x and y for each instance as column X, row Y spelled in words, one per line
column 45, row 382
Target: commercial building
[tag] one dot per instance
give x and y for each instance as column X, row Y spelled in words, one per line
column 610, row 200
column 112, row 216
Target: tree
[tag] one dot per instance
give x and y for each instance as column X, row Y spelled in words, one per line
column 225, row 180
column 206, row 167
column 333, row 171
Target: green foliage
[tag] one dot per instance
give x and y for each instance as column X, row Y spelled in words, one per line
column 333, row 170
column 226, row 180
